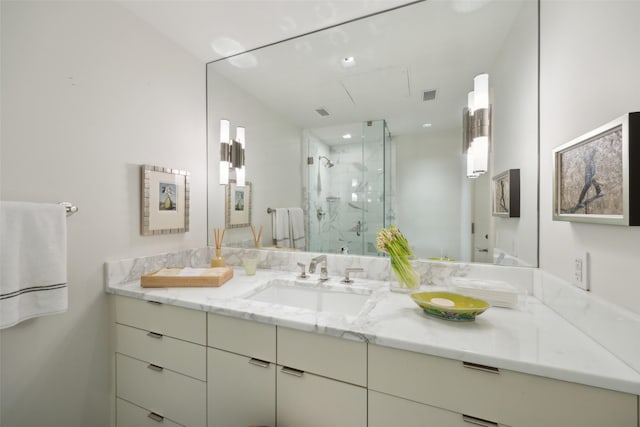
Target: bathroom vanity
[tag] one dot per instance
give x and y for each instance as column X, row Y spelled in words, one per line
column 217, row 357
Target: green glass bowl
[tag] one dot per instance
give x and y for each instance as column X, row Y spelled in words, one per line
column 450, row 306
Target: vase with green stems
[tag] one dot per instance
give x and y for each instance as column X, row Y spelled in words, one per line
column 391, row 241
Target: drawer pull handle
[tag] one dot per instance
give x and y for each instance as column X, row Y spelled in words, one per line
column 154, row 335
column 156, row 417
column 155, row 367
column 258, row 362
column 291, row 371
column 479, row 367
column 154, row 302
column 478, row 421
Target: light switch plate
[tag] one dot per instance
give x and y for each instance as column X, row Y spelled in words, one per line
column 581, row 271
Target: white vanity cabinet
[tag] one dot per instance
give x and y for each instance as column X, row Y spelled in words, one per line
column 386, row 410
column 321, row 380
column 482, row 394
column 314, row 380
column 241, row 372
column 160, row 364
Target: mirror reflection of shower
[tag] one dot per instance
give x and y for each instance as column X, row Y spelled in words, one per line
column 347, row 205
column 329, row 163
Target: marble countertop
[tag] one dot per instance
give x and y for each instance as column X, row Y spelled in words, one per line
column 531, row 338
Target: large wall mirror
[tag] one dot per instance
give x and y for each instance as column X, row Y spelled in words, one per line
column 361, row 126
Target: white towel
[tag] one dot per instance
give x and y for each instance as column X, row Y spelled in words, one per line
column 296, row 220
column 281, row 228
column 33, row 268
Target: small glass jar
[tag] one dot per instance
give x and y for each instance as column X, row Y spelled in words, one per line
column 250, row 264
column 404, row 278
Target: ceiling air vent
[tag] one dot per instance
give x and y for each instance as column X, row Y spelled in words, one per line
column 322, row 112
column 429, row 95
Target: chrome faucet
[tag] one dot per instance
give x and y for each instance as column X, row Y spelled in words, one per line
column 346, row 279
column 302, row 274
column 322, row 260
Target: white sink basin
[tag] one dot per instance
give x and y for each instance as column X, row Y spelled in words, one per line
column 334, row 298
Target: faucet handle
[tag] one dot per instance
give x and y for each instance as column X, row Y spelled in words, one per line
column 324, row 274
column 303, row 274
column 350, row 270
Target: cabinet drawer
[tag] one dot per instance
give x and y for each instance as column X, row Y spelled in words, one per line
column 386, row 410
column 507, row 397
column 324, row 355
column 241, row 336
column 176, row 322
column 312, row 401
column 177, row 355
column 241, row 390
column 168, row 393
column 130, row 415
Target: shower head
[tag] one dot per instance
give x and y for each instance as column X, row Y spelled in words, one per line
column 329, row 163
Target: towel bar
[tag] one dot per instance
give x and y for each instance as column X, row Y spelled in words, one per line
column 70, row 208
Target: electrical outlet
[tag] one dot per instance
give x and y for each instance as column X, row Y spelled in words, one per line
column 581, row 271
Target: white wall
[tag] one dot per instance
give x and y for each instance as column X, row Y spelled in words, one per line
column 515, row 132
column 89, row 93
column 589, row 75
column 429, row 183
column 271, row 142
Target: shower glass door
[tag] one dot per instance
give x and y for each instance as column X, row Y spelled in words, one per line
column 346, row 187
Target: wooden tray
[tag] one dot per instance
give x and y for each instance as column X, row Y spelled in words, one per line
column 186, row 277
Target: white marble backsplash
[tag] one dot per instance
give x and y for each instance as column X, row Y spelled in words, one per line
column 375, row 268
column 378, row 268
column 614, row 327
column 131, row 269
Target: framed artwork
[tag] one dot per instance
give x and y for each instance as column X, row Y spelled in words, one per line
column 237, row 205
column 164, row 200
column 593, row 177
column 506, row 194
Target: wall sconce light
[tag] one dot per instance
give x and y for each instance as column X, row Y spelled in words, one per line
column 232, row 154
column 476, row 124
column 225, row 152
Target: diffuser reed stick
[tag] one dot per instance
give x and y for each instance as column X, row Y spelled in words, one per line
column 256, row 239
column 218, row 236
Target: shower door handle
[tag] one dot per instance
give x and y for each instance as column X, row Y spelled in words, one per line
column 358, row 228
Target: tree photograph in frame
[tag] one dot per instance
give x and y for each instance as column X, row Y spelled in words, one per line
column 506, row 194
column 237, row 205
column 164, row 200
column 592, row 177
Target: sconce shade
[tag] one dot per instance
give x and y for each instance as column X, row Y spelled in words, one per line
column 480, row 155
column 477, row 127
column 470, row 102
column 481, row 91
column 470, row 164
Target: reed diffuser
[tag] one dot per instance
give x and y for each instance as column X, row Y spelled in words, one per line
column 218, row 260
column 256, row 238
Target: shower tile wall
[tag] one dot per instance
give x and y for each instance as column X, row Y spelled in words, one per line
column 318, row 185
column 348, row 196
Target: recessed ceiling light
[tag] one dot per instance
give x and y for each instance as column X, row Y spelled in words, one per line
column 346, row 136
column 426, row 125
column 349, row 61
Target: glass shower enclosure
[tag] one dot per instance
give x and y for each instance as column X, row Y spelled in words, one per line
column 349, row 188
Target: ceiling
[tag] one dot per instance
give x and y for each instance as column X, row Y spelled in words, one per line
column 197, row 25
column 430, row 45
